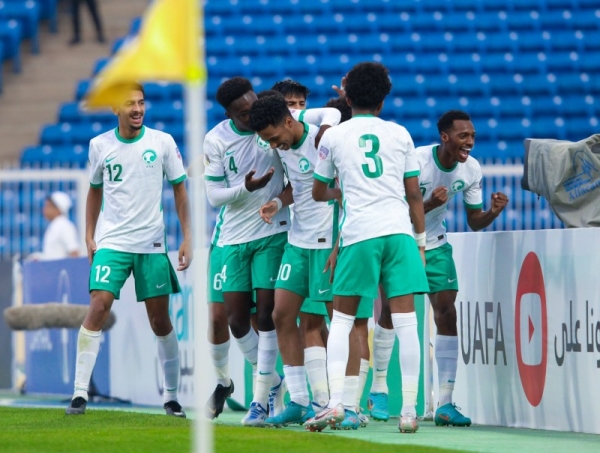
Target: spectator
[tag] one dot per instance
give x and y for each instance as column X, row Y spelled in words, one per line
column 93, row 7
column 60, row 238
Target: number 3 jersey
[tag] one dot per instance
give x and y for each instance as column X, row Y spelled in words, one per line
column 372, row 158
column 464, row 178
column 131, row 172
column 229, row 155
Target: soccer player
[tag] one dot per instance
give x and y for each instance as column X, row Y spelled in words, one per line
column 313, row 328
column 446, row 170
column 252, row 249
column 127, row 166
column 295, row 93
column 310, row 241
column 377, row 168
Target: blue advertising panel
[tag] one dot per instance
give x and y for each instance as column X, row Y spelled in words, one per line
column 51, row 353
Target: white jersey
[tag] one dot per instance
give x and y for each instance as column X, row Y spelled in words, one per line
column 372, row 158
column 312, row 222
column 131, row 174
column 229, row 155
column 60, row 239
column 464, row 178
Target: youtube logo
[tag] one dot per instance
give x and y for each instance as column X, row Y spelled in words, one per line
column 531, row 329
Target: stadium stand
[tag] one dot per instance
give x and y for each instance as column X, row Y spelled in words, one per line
column 521, row 68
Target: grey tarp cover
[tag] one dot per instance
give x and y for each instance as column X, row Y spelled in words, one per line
column 567, row 174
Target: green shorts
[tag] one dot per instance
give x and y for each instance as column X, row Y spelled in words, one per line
column 252, row 265
column 365, row 308
column 440, row 269
column 215, row 265
column 301, row 272
column 393, row 260
column 153, row 274
column 314, row 307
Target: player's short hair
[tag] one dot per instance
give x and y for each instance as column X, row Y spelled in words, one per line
column 367, row 85
column 291, row 88
column 342, row 105
column 268, row 111
column 447, row 120
column 232, row 89
column 265, row 93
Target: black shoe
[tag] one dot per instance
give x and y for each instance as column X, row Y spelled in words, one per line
column 174, row 408
column 77, row 406
column 216, row 402
column 74, row 41
column 101, row 39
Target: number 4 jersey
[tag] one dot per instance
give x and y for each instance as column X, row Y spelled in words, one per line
column 372, row 158
column 131, row 172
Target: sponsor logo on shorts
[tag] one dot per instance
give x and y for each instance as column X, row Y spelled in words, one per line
column 323, row 291
column 160, row 286
column 451, row 280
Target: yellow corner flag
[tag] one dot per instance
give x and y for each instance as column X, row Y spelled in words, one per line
column 167, row 48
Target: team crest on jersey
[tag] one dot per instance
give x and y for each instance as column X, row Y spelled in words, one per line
column 149, row 157
column 178, row 153
column 323, row 152
column 304, row 165
column 262, row 144
column 457, row 186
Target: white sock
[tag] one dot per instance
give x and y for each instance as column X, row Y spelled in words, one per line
column 351, row 384
column 220, row 358
column 267, row 356
column 362, row 380
column 383, row 344
column 405, row 325
column 88, row 345
column 315, row 362
column 249, row 346
column 338, row 350
column 446, row 356
column 168, row 356
column 295, row 378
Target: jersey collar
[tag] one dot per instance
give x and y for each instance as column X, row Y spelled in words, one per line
column 302, row 139
column 437, row 161
column 364, row 115
column 130, row 140
column 237, row 131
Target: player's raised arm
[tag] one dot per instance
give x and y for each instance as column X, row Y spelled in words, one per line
column 479, row 219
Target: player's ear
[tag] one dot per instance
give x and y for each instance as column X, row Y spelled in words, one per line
column 445, row 137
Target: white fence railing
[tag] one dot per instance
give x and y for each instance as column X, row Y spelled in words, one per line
column 23, row 191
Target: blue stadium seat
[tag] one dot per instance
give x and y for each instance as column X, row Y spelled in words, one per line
column 572, row 82
column 71, row 113
column 11, row 35
column 499, row 42
column 433, row 42
column 28, row 13
column 361, row 23
column 488, row 21
column 461, row 63
column 556, row 20
column 511, row 107
column 569, row 40
column 585, row 19
column 523, row 20
column 540, row 105
column 99, row 65
column 226, row 8
column 566, row 62
column 467, row 42
column 529, row 63
column 533, row 40
column 167, row 112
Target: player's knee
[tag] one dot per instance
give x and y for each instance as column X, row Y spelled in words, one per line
column 161, row 325
column 264, row 322
column 281, row 318
column 445, row 315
